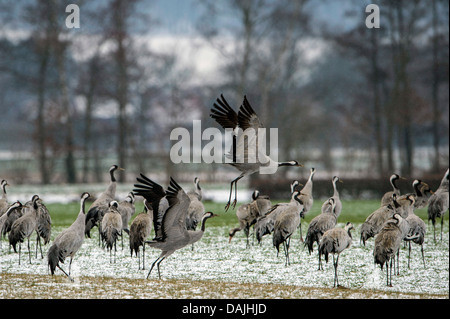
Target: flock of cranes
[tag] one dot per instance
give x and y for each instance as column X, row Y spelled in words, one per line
column 174, row 214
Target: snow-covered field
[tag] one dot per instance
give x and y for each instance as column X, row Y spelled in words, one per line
column 214, row 259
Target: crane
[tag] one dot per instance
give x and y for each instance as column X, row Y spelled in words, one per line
column 69, row 241
column 247, row 157
column 438, row 204
column 335, row 241
column 172, row 233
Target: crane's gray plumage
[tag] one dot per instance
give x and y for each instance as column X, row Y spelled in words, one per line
column 127, row 209
column 438, row 203
column 247, row 214
column 245, row 153
column 326, row 206
column 307, row 199
column 13, row 212
column 43, row 225
column 69, row 241
column 174, row 234
column 23, row 227
column 319, row 225
column 265, row 223
column 387, row 245
column 335, row 241
column 417, row 230
column 100, row 206
column 285, row 225
column 422, row 193
column 111, row 228
column 196, row 208
column 387, row 197
column 4, row 200
column 375, row 221
column 140, row 229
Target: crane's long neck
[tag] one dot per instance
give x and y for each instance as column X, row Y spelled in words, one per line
column 444, row 182
column 335, row 192
column 4, row 191
column 204, row 221
column 393, row 183
column 198, row 190
column 81, row 215
column 111, row 190
column 417, row 190
column 309, row 185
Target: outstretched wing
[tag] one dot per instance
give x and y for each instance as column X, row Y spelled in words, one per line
column 224, row 114
column 154, row 194
column 174, row 220
column 227, row 118
column 248, row 148
column 247, row 117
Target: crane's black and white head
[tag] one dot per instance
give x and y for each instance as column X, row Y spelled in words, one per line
column 83, row 199
column 113, row 204
column 397, row 218
column 255, row 194
column 197, row 183
column 290, row 163
column 294, row 184
column 206, row 216
column 411, row 199
column 337, row 179
column 348, row 226
column 130, row 197
column 85, row 196
column 297, row 197
column 15, row 205
column 4, row 184
column 35, row 199
column 112, row 169
column 332, row 203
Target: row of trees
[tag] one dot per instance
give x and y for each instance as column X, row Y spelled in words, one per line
column 335, row 84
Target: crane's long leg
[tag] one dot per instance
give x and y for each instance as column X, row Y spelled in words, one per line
column 423, row 257
column 70, row 263
column 288, row 244
column 20, row 248
column 159, row 262
column 234, row 181
column 300, row 226
column 229, row 196
column 29, row 250
column 68, row 276
column 442, row 223
column 398, row 263
column 285, row 253
column 335, row 270
column 153, row 265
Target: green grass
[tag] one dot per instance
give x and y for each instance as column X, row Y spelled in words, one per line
column 355, row 211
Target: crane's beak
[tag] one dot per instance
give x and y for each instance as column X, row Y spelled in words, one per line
column 121, row 169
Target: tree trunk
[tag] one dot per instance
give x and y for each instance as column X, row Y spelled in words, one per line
column 435, row 90
column 40, row 125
